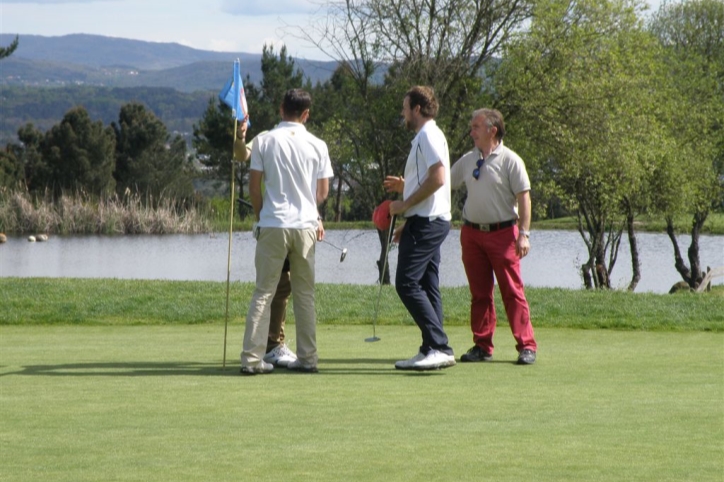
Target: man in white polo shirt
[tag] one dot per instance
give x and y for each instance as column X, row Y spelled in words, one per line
column 426, row 208
column 494, row 236
column 295, row 168
column 277, row 352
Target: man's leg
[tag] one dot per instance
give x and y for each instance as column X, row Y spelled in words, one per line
column 269, row 259
column 301, row 260
column 506, row 264
column 479, row 271
column 420, row 247
column 279, row 309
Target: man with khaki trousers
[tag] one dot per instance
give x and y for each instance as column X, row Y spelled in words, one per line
column 277, row 351
column 295, row 168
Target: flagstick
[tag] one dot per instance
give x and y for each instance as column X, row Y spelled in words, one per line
column 228, row 262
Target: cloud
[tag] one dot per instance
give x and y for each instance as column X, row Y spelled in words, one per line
column 221, row 45
column 277, row 7
column 54, row 2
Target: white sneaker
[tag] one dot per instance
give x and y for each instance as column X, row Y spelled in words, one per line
column 434, row 361
column 408, row 364
column 297, row 366
column 281, row 356
column 260, row 368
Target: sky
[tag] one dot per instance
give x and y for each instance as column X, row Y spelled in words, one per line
column 220, row 25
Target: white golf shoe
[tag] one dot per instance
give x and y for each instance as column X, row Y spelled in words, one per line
column 281, row 356
column 434, row 361
column 409, row 364
column 260, row 368
column 298, row 366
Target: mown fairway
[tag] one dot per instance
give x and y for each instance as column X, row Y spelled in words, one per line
column 151, row 403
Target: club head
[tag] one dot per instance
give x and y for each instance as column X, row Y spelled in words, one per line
column 344, row 255
column 372, row 339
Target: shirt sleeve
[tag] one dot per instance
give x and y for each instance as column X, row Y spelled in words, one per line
column 519, row 181
column 457, row 173
column 257, row 163
column 433, row 150
column 325, row 166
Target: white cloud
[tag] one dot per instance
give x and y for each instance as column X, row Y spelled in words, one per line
column 54, row 2
column 222, row 45
column 262, row 8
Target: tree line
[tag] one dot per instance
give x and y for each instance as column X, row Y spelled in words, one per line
column 616, row 114
column 135, row 154
column 44, row 107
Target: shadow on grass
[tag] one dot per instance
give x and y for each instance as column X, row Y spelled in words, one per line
column 154, row 369
column 127, row 369
column 354, row 366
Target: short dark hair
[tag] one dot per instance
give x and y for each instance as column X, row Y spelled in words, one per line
column 493, row 118
column 295, row 102
column 423, row 96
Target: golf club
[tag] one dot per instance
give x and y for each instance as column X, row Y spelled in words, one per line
column 390, row 233
column 343, row 250
column 245, row 203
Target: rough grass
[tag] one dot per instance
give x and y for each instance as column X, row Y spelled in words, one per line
column 714, row 224
column 113, row 302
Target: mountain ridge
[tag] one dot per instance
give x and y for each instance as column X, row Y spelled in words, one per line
column 46, row 76
column 83, row 59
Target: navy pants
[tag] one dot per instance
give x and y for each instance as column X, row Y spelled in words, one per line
column 418, row 278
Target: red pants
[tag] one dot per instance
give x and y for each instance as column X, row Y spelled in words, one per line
column 485, row 254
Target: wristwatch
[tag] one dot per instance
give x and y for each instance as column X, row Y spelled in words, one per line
column 525, row 233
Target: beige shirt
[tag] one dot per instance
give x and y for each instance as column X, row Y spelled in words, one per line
column 492, row 197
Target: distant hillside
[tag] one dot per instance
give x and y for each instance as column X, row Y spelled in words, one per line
column 100, row 51
column 45, row 108
column 46, row 76
column 112, row 62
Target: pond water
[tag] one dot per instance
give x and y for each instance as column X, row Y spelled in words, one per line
column 554, row 259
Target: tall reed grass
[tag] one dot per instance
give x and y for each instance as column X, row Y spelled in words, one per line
column 21, row 212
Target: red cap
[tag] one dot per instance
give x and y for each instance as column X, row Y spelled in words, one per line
column 381, row 216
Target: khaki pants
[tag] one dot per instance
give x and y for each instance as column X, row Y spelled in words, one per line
column 273, row 246
column 279, row 311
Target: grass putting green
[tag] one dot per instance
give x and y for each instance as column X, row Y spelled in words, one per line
column 151, row 403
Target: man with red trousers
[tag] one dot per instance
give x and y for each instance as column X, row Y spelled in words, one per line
column 495, row 235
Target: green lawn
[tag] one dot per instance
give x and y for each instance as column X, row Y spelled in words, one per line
column 151, row 403
column 117, row 380
column 132, row 302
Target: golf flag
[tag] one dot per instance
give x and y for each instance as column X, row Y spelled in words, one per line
column 233, row 95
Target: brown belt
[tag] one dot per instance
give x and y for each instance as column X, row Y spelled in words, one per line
column 489, row 227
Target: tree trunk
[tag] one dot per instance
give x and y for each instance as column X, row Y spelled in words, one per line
column 696, row 273
column 679, row 263
column 586, row 267
column 586, row 273
column 602, row 276
column 385, row 277
column 338, row 202
column 635, row 261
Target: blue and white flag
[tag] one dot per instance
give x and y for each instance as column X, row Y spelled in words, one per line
column 234, row 96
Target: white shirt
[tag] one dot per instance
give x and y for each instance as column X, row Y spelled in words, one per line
column 292, row 161
column 492, row 198
column 428, row 148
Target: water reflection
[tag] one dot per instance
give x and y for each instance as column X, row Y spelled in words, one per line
column 553, row 261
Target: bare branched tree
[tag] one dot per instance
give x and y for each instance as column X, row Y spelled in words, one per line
column 443, row 43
